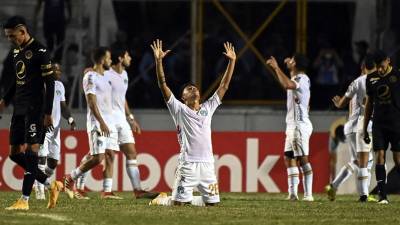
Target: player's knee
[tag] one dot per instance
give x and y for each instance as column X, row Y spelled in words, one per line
column 15, row 149
column 97, row 159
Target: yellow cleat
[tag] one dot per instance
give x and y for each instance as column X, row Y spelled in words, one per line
column 55, row 188
column 371, row 199
column 157, row 199
column 20, row 204
column 331, row 192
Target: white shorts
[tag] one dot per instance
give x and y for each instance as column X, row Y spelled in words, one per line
column 98, row 144
column 297, row 140
column 51, row 145
column 195, row 174
column 125, row 135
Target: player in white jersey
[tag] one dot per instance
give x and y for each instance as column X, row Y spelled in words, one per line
column 100, row 125
column 355, row 98
column 298, row 124
column 49, row 152
column 193, row 123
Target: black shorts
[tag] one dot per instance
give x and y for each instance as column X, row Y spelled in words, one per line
column 382, row 136
column 27, row 129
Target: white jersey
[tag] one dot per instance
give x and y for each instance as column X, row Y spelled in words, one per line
column 357, row 93
column 119, row 83
column 194, row 129
column 59, row 96
column 298, row 102
column 99, row 85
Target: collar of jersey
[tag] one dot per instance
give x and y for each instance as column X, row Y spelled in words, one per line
column 27, row 44
column 387, row 72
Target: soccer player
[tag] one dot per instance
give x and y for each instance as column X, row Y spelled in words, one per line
column 33, row 92
column 193, row 124
column 298, row 124
column 100, row 124
column 49, row 153
column 359, row 151
column 383, row 99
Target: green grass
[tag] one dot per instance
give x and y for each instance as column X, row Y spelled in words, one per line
column 235, row 208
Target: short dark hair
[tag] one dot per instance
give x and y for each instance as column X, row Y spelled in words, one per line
column 13, row 22
column 301, row 61
column 187, row 84
column 98, row 54
column 369, row 61
column 116, row 53
column 380, row 56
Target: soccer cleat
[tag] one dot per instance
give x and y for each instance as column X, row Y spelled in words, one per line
column 156, row 201
column 331, row 192
column 363, row 198
column 81, row 195
column 39, row 191
column 383, row 201
column 54, row 191
column 69, row 186
column 308, row 199
column 110, row 195
column 371, row 199
column 20, row 204
column 292, row 197
column 145, row 194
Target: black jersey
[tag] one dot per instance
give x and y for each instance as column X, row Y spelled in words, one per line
column 385, row 92
column 32, row 69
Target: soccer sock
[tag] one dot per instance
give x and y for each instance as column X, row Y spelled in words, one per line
column 363, row 177
column 198, row 201
column 20, row 159
column 293, row 180
column 25, row 198
column 76, row 173
column 80, row 184
column 307, row 179
column 133, row 173
column 345, row 172
column 107, row 184
column 30, row 173
column 380, row 171
column 40, row 186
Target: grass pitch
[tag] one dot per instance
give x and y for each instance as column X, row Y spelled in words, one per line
column 235, row 208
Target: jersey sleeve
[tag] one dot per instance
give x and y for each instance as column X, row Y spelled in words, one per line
column 352, row 89
column 174, row 106
column 302, row 83
column 213, row 102
column 89, row 84
column 45, row 62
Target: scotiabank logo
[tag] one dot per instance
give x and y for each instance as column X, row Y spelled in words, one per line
column 244, row 161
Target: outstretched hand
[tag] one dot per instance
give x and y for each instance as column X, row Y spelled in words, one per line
column 336, row 101
column 157, row 50
column 272, row 62
column 229, row 51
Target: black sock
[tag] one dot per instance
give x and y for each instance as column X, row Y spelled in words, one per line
column 19, row 159
column 380, row 171
column 30, row 172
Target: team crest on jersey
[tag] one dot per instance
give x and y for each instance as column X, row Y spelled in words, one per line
column 181, row 190
column 125, row 81
column 58, row 92
column 28, row 54
column 393, row 79
column 203, row 112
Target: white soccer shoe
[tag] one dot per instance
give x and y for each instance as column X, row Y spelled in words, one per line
column 39, row 191
column 383, row 202
column 308, row 198
column 292, row 197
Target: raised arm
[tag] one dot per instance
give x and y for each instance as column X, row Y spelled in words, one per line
column 340, row 102
column 284, row 80
column 159, row 54
column 92, row 103
column 226, row 79
column 131, row 119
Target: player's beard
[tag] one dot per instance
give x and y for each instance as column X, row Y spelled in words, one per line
column 106, row 67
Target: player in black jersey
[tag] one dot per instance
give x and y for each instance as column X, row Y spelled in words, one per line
column 33, row 93
column 383, row 90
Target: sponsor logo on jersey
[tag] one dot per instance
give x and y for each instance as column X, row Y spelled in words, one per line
column 28, row 54
column 181, row 190
column 203, row 112
column 42, row 50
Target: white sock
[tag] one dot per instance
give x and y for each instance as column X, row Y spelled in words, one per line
column 76, row 173
column 345, row 172
column 307, row 179
column 198, row 201
column 25, row 198
column 293, row 180
column 363, row 175
column 80, row 183
column 107, row 184
column 48, row 171
column 133, row 173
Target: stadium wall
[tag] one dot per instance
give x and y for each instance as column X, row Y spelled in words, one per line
column 248, row 146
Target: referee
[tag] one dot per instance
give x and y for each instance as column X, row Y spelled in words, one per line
column 33, row 93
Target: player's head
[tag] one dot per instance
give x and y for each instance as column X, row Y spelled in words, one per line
column 15, row 30
column 57, row 70
column 120, row 55
column 368, row 63
column 298, row 62
column 102, row 56
column 189, row 93
column 382, row 61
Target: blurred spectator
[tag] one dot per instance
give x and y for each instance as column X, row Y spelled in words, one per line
column 121, row 40
column 362, row 48
column 8, row 73
column 327, row 65
column 71, row 67
column 55, row 22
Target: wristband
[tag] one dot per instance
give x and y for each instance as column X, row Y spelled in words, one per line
column 70, row 120
column 131, row 116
